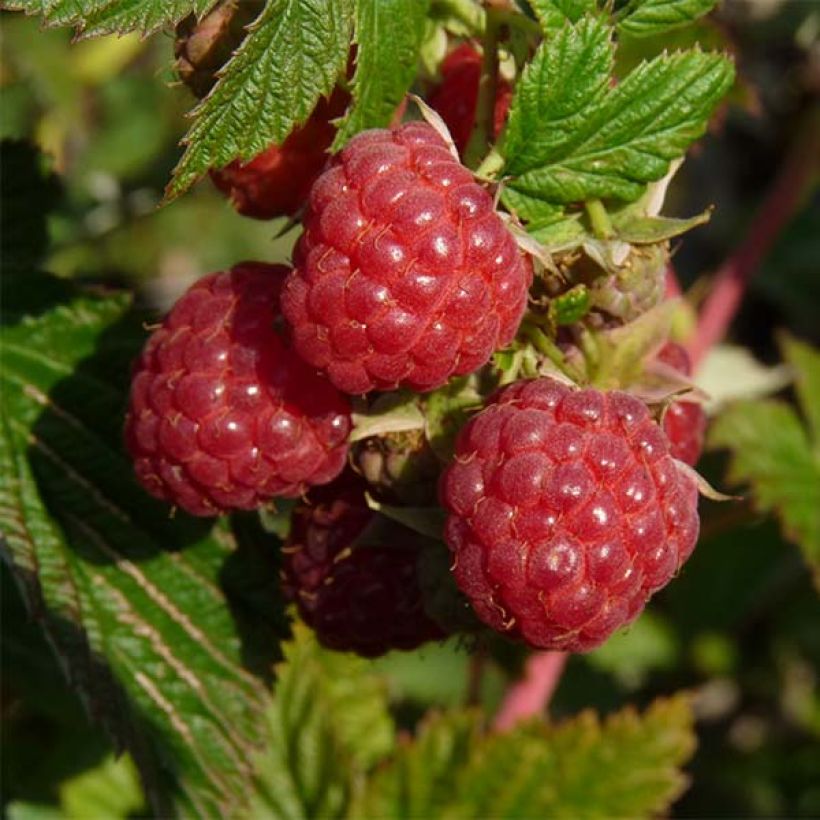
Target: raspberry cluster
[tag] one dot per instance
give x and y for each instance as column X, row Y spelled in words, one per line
column 222, row 415
column 405, row 275
column 567, row 508
column 566, row 512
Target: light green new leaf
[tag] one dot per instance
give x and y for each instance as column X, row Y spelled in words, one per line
column 134, row 603
column 294, row 54
column 645, row 18
column 420, row 779
column 96, row 17
column 806, row 363
column 111, row 790
column 328, row 724
column 553, row 14
column 388, row 36
column 774, row 453
column 627, row 766
column 571, row 137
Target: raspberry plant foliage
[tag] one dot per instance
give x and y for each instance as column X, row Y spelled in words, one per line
column 174, row 630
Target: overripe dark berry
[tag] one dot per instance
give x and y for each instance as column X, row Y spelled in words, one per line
column 359, row 593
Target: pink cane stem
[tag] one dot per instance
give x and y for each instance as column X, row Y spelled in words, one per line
column 531, row 695
column 793, row 181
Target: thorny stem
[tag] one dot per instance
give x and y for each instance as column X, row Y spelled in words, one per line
column 795, row 178
column 487, row 87
column 531, row 695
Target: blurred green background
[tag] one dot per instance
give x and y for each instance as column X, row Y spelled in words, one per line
column 741, row 627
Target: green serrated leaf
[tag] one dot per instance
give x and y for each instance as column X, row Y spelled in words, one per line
column 564, row 235
column 645, row 18
column 93, row 18
column 537, row 213
column 132, row 601
column 418, row 782
column 572, row 138
column 553, row 14
column 328, row 724
column 627, row 766
column 293, row 54
column 565, row 82
column 389, row 34
column 805, row 360
column 111, row 790
column 773, row 453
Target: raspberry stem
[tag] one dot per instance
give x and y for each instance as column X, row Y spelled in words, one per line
column 490, row 166
column 797, row 176
column 543, row 344
column 601, row 223
column 531, row 695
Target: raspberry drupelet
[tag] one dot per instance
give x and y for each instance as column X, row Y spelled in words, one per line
column 222, row 415
column 405, row 275
column 566, row 513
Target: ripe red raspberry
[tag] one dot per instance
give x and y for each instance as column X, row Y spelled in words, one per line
column 357, row 597
column 684, row 421
column 277, row 181
column 566, row 512
column 456, row 97
column 222, row 414
column 404, row 275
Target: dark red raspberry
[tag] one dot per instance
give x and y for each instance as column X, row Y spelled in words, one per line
column 405, row 275
column 456, row 97
column 222, row 414
column 361, row 598
column 684, row 421
column 277, row 181
column 566, row 512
